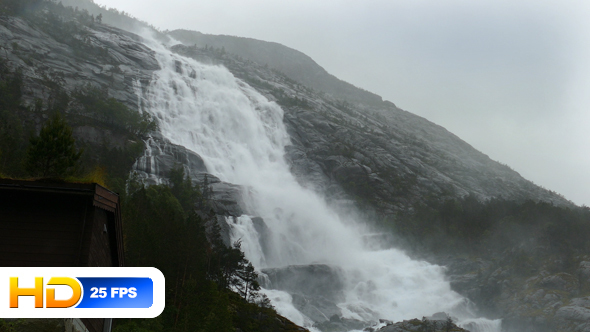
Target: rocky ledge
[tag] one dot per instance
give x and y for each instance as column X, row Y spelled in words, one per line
column 435, row 323
column 528, row 299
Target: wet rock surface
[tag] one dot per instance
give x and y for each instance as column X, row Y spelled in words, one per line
column 377, row 154
column 438, row 322
column 126, row 65
column 316, row 279
column 382, row 156
column 161, row 157
column 385, row 157
column 526, row 300
column 316, row 289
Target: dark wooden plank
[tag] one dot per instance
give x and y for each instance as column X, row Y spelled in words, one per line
column 103, row 206
column 22, row 259
column 107, row 194
column 21, row 263
column 7, row 249
column 9, row 229
column 36, row 240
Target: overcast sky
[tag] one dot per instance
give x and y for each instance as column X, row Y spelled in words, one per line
column 512, row 78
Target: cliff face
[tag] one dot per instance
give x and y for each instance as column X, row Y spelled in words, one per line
column 382, row 156
column 98, row 55
column 292, row 63
column 345, row 143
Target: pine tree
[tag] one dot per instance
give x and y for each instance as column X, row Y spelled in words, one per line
column 12, row 143
column 449, row 324
column 53, row 153
column 248, row 286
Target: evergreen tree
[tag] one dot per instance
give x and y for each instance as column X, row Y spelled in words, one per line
column 449, row 324
column 17, row 7
column 12, row 143
column 53, row 153
column 248, row 287
column 183, row 188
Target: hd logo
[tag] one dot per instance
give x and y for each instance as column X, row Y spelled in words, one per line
column 37, row 292
column 118, row 292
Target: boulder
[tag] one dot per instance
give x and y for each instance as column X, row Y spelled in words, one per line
column 161, row 156
column 426, row 324
column 573, row 312
column 316, row 279
column 561, row 281
column 316, row 289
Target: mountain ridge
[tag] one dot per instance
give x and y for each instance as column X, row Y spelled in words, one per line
column 291, row 62
column 246, row 48
column 371, row 157
column 393, row 147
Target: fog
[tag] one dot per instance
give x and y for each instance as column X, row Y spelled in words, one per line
column 509, row 78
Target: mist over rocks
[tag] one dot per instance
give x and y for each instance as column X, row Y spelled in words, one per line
column 339, row 144
column 546, row 301
column 356, row 151
column 292, row 63
column 382, row 156
column 161, row 156
column 316, row 289
column 122, row 65
column 437, row 322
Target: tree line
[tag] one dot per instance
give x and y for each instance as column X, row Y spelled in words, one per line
column 209, row 286
column 535, row 229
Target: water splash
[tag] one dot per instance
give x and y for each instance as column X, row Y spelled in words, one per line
column 241, row 137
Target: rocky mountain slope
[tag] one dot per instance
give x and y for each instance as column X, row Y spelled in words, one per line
column 548, row 299
column 347, row 144
column 389, row 160
column 381, row 155
column 384, row 157
column 292, row 63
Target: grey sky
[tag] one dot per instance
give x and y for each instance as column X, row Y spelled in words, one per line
column 510, row 78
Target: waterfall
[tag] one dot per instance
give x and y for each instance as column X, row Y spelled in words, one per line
column 241, row 137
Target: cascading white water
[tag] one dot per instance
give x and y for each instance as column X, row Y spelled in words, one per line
column 241, row 137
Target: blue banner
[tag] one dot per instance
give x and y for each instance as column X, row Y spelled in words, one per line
column 117, row 293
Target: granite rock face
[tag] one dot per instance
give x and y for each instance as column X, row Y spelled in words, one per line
column 377, row 154
column 161, row 156
column 387, row 158
column 292, row 63
column 536, row 301
column 316, row 289
column 438, row 322
column 367, row 154
column 123, row 70
column 126, row 64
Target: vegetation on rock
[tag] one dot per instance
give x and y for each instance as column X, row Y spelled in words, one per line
column 12, row 133
column 172, row 229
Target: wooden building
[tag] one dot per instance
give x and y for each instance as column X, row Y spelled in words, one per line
column 60, row 224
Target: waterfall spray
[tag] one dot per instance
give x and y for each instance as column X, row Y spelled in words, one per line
column 241, row 137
